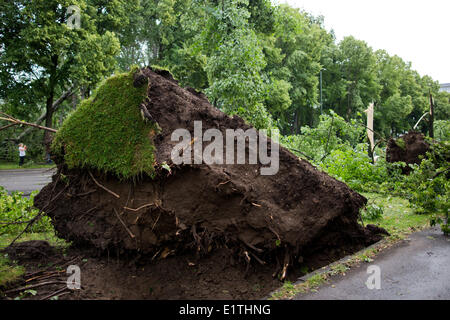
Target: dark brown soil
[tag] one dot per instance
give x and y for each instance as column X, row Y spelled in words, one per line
column 113, row 276
column 116, row 277
column 218, row 217
column 411, row 146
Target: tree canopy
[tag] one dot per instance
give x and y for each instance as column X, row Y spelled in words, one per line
column 274, row 65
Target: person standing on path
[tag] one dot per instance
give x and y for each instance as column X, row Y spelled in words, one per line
column 22, row 153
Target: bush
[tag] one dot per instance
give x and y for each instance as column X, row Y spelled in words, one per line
column 442, row 130
column 372, row 212
column 354, row 167
column 428, row 186
column 332, row 133
column 15, row 208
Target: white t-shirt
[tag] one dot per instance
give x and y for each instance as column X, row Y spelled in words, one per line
column 22, row 151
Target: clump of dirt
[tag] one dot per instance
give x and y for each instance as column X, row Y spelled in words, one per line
column 35, row 249
column 299, row 216
column 408, row 148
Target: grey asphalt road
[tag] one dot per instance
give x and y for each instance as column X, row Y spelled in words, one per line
column 415, row 269
column 26, row 180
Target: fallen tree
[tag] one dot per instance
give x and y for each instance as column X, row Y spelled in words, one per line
column 408, row 149
column 16, row 122
column 118, row 188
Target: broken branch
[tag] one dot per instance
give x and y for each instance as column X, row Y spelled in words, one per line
column 19, row 122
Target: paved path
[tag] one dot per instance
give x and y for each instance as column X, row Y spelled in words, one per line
column 26, row 180
column 417, row 268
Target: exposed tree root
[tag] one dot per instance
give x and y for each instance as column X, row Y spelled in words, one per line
column 103, row 187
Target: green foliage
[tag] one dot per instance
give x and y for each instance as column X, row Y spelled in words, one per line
column 442, row 105
column 9, row 271
column 190, row 68
column 401, row 143
column 107, row 131
column 15, row 208
column 429, row 187
column 358, row 68
column 398, row 217
column 442, row 130
column 263, row 62
column 235, row 64
column 332, row 133
column 372, row 212
column 355, row 168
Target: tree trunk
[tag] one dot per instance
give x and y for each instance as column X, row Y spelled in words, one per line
column 48, row 122
column 431, row 128
column 295, row 127
column 49, row 105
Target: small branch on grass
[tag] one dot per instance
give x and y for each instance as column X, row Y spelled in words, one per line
column 103, row 187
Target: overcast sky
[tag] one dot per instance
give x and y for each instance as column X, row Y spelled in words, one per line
column 416, row 30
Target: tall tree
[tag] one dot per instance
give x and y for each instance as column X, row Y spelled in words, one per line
column 235, row 62
column 42, row 55
column 358, row 68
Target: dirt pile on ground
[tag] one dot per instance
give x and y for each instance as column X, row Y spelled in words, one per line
column 407, row 149
column 297, row 215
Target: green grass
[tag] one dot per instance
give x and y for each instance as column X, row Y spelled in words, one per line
column 12, row 208
column 9, row 271
column 107, row 132
column 11, row 165
column 52, row 239
column 398, row 219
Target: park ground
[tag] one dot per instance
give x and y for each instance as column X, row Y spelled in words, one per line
column 413, row 262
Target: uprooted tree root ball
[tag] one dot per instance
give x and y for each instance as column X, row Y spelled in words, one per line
column 407, row 148
column 124, row 197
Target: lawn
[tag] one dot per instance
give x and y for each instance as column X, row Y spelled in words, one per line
column 28, row 165
column 9, row 270
column 398, row 218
